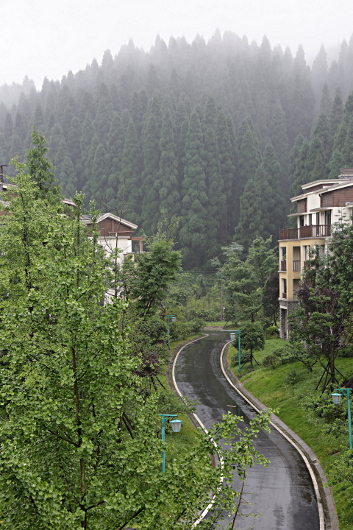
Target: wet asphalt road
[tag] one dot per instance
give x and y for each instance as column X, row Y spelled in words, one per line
column 283, row 492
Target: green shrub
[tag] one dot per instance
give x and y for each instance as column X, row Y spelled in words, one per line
column 285, row 355
column 270, row 361
column 346, row 352
column 179, row 330
column 292, row 377
column 196, row 325
column 272, row 332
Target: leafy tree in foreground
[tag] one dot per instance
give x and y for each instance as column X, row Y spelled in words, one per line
column 77, row 444
column 41, row 170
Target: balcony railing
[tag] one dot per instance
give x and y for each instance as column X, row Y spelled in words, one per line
column 304, row 232
column 284, row 295
column 283, row 266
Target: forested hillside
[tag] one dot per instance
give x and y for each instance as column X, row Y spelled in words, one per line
column 219, row 134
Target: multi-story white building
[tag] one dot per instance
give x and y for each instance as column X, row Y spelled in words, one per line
column 322, row 204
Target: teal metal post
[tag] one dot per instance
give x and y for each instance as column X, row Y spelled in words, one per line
column 169, row 318
column 165, row 418
column 347, row 392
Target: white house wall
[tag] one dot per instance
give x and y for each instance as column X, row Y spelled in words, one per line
column 110, row 243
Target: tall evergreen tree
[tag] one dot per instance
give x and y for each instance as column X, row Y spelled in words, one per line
column 216, row 194
column 228, row 176
column 41, row 170
column 151, row 159
column 167, row 177
column 129, row 194
column 193, row 233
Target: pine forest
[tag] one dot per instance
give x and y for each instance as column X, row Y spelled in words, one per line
column 218, row 134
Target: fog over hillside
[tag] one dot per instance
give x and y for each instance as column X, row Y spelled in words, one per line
column 218, row 133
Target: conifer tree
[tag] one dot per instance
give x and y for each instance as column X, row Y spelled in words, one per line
column 321, row 130
column 104, row 113
column 228, row 176
column 115, row 152
column 279, row 139
column 216, row 194
column 129, row 194
column 74, row 144
column 325, row 103
column 41, row 170
column 338, row 156
column 167, row 178
column 68, row 177
column 249, row 155
column 151, row 159
column 336, row 113
column 193, row 233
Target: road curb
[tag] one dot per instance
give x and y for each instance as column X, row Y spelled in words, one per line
column 328, row 505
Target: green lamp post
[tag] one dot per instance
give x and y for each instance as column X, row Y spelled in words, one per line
column 170, row 318
column 336, row 398
column 176, row 426
column 232, row 337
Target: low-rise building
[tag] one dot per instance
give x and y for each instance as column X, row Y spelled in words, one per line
column 116, row 233
column 322, row 204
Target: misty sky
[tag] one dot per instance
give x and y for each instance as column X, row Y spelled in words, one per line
column 50, row 37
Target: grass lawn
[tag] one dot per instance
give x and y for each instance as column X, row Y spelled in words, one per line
column 284, row 390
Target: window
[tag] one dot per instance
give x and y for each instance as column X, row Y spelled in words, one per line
column 284, row 288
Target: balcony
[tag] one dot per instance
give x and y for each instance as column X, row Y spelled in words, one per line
column 305, row 232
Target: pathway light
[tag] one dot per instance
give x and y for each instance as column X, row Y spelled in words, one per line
column 176, row 426
column 336, row 398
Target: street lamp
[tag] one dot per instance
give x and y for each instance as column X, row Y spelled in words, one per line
column 170, row 318
column 232, row 337
column 176, row 426
column 336, row 398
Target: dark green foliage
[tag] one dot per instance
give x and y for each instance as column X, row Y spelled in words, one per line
column 151, row 158
column 129, row 196
column 193, row 232
column 246, row 97
column 154, row 272
column 77, row 414
column 246, row 280
column 41, row 170
column 252, row 339
column 318, row 326
column 167, row 176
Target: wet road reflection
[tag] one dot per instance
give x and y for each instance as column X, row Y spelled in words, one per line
column 283, row 493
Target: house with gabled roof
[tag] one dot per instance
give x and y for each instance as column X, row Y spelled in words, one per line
column 115, row 232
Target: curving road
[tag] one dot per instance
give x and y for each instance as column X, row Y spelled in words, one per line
column 283, row 492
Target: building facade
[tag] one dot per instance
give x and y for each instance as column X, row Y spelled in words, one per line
column 322, row 205
column 116, row 233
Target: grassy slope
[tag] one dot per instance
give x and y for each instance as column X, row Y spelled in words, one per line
column 269, row 386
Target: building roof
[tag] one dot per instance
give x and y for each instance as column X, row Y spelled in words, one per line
column 335, row 184
column 87, row 220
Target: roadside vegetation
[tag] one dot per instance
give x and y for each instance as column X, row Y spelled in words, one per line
column 287, row 386
column 82, row 359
